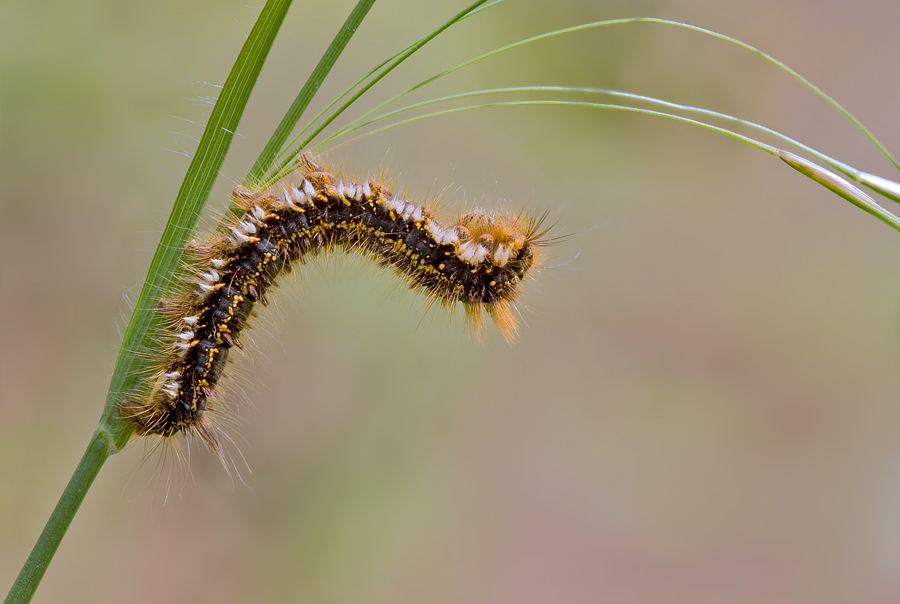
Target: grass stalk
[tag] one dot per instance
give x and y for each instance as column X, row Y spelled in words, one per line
column 99, row 448
column 380, row 72
column 306, row 94
column 830, row 180
column 133, row 363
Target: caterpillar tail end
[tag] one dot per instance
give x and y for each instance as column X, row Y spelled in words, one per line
column 146, row 420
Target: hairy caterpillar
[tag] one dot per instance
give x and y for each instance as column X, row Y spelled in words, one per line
column 479, row 261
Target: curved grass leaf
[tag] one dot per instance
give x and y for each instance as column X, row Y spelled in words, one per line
column 824, row 177
column 306, row 94
column 286, row 166
column 652, row 20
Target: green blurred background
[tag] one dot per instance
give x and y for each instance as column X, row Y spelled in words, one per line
column 701, row 409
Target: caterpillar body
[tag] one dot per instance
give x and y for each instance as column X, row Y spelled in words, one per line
column 480, row 261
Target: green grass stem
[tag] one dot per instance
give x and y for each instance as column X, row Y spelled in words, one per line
column 286, row 166
column 306, row 94
column 133, row 364
column 139, row 350
column 824, row 177
column 881, row 185
column 292, row 149
column 839, row 186
column 632, row 20
column 100, row 447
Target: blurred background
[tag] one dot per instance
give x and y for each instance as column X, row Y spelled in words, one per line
column 702, row 407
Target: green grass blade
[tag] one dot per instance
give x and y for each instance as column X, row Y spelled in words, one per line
column 785, row 68
column 313, row 83
column 832, row 181
column 100, row 447
column 883, row 186
column 840, row 186
column 740, row 137
column 596, row 24
column 409, row 49
column 888, row 188
column 286, row 166
column 133, row 363
column 518, row 89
